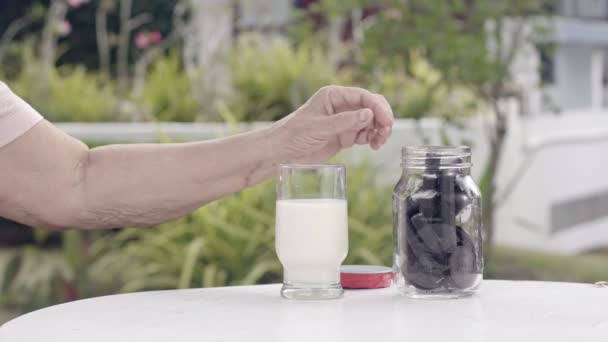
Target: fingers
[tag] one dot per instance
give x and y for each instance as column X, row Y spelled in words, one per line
column 375, row 137
column 352, row 98
column 376, row 142
column 347, row 122
column 389, row 118
column 347, row 139
column 361, row 138
column 342, row 99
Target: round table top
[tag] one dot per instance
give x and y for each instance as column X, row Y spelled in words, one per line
column 500, row 311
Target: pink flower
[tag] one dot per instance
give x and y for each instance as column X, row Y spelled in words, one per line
column 64, row 28
column 76, row 3
column 155, row 37
column 142, row 40
column 146, row 39
column 393, row 13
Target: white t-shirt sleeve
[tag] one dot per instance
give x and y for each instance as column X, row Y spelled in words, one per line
column 16, row 116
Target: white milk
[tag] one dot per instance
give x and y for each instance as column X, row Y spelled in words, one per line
column 312, row 239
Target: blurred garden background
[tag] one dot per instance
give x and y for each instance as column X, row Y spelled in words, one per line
column 455, row 72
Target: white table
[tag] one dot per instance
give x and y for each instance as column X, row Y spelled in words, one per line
column 501, row 311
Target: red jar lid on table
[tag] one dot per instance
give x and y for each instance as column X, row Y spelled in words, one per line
column 365, row 276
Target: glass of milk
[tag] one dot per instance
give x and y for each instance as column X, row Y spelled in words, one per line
column 311, row 229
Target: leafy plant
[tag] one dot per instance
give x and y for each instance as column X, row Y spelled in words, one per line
column 272, row 78
column 231, row 241
column 226, row 242
column 168, row 91
column 72, row 94
column 33, row 276
column 421, row 92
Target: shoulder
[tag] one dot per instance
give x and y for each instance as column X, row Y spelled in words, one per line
column 16, row 116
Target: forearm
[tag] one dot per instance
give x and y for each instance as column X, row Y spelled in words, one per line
column 52, row 180
column 141, row 185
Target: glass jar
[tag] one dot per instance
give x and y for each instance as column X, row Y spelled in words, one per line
column 437, row 226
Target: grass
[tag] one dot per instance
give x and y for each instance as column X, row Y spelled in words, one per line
column 517, row 264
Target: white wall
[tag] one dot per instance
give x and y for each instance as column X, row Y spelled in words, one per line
column 260, row 13
column 572, row 77
column 555, row 159
column 584, row 8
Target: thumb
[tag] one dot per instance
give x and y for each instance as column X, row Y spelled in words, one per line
column 348, row 121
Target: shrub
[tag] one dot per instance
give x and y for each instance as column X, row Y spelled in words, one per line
column 71, row 94
column 272, row 78
column 421, row 92
column 35, row 276
column 168, row 91
column 231, row 241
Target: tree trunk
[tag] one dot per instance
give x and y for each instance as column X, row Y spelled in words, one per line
column 48, row 46
column 334, row 39
column 123, row 44
column 10, row 33
column 489, row 196
column 207, row 47
column 103, row 44
column 356, row 18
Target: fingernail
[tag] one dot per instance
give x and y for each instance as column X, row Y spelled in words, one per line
column 364, row 114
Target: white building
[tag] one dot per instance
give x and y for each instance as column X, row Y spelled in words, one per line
column 575, row 72
column 550, row 190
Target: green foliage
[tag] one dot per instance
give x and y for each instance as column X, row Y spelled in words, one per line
column 231, row 241
column 370, row 219
column 518, row 264
column 75, row 93
column 452, row 36
column 226, row 242
column 421, row 92
column 272, row 78
column 71, row 93
column 336, row 8
column 33, row 277
column 168, row 92
column 427, row 56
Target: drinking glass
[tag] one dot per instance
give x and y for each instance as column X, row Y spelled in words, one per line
column 311, row 229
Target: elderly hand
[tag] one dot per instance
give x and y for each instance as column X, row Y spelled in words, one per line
column 332, row 119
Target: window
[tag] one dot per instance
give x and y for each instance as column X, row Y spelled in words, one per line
column 592, row 9
column 547, row 64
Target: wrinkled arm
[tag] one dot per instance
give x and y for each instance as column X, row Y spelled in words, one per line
column 49, row 179
column 52, row 180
